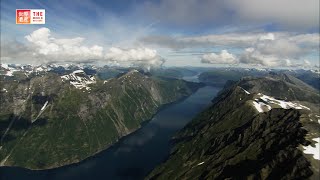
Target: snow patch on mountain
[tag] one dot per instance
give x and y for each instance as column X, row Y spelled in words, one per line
column 200, row 163
column 318, row 118
column 79, row 79
column 264, row 103
column 44, row 106
column 314, row 150
column 245, row 91
column 261, row 107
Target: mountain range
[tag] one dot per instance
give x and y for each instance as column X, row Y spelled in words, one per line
column 257, row 128
column 263, row 124
column 51, row 118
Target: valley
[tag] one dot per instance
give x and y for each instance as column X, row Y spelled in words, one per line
column 76, row 115
column 252, row 127
column 247, row 134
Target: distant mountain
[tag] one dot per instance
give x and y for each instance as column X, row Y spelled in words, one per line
column 50, row 119
column 311, row 77
column 173, row 72
column 109, row 72
column 281, row 86
column 257, row 128
column 219, row 76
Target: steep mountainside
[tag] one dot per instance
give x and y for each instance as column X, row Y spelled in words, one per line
column 313, row 79
column 282, row 86
column 49, row 120
column 256, row 133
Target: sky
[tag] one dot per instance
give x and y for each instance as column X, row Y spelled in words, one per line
column 206, row 33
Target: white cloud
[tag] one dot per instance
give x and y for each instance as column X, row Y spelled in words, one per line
column 223, row 58
column 279, row 47
column 142, row 57
column 52, row 49
column 41, row 47
column 281, row 50
column 307, row 63
column 266, row 49
column 306, row 40
column 14, row 51
column 269, row 36
column 240, row 40
column 255, row 57
column 271, row 50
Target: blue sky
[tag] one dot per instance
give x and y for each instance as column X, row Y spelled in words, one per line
column 267, row 33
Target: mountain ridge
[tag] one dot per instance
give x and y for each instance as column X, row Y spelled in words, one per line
column 47, row 121
column 235, row 139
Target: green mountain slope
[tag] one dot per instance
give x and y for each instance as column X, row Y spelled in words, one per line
column 248, row 135
column 46, row 122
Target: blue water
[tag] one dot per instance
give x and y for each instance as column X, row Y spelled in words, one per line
column 135, row 155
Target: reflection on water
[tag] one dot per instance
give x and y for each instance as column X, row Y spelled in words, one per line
column 134, row 155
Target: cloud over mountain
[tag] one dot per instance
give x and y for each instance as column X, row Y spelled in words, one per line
column 272, row 49
column 52, row 49
column 143, row 57
column 279, row 50
column 223, row 58
column 42, row 47
column 240, row 40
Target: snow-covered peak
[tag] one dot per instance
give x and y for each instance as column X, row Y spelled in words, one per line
column 39, row 69
column 8, row 70
column 80, row 71
column 261, row 69
column 5, row 66
column 79, row 79
column 131, row 72
column 317, row 71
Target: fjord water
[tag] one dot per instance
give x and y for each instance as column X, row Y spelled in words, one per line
column 135, row 155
